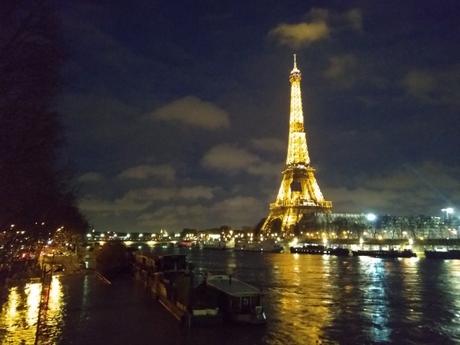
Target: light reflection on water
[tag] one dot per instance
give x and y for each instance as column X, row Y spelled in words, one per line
column 19, row 314
column 53, row 321
column 33, row 302
column 308, row 299
column 374, row 298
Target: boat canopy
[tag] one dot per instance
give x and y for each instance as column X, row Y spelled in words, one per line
column 232, row 286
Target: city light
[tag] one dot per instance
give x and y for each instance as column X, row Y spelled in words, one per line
column 448, row 210
column 371, row 217
column 294, row 242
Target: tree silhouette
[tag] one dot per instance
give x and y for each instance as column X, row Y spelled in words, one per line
column 33, row 188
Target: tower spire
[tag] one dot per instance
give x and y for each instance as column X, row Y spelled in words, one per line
column 295, row 69
column 297, row 147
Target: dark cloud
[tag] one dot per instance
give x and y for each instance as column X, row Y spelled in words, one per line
column 175, row 217
column 90, row 177
column 118, row 206
column 342, row 70
column 299, row 34
column 193, row 111
column 231, row 211
column 229, row 158
column 171, row 193
column 421, row 189
column 354, row 17
column 164, row 172
column 269, row 144
column 436, row 86
column 320, row 23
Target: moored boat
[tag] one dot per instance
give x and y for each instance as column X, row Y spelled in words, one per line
column 309, row 249
column 392, row 253
column 442, row 254
column 172, row 282
column 338, row 251
column 318, row 249
column 266, row 246
column 217, row 244
column 239, row 301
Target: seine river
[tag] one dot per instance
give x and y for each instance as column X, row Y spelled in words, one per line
column 309, row 300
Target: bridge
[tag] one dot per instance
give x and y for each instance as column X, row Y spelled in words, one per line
column 132, row 237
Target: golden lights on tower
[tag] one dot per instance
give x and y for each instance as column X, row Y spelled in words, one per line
column 299, row 193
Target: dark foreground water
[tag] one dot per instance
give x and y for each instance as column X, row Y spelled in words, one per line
column 309, row 299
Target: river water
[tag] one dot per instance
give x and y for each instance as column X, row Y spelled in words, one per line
column 308, row 299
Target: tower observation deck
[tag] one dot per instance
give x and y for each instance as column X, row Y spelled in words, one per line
column 299, row 196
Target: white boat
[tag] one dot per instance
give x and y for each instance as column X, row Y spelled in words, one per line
column 266, row 246
column 217, row 244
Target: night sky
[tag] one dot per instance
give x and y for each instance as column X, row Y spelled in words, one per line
column 176, row 112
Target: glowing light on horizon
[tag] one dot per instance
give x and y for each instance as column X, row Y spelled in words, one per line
column 371, row 217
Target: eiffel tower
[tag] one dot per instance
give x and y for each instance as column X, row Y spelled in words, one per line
column 299, row 197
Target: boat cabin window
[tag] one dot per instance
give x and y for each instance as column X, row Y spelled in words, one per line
column 235, row 304
column 245, row 304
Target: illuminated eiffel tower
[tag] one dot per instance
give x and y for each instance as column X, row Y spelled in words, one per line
column 299, row 196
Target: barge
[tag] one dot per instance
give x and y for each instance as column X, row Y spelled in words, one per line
column 392, row 253
column 267, row 246
column 444, row 254
column 239, row 301
column 197, row 299
column 171, row 281
column 317, row 249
